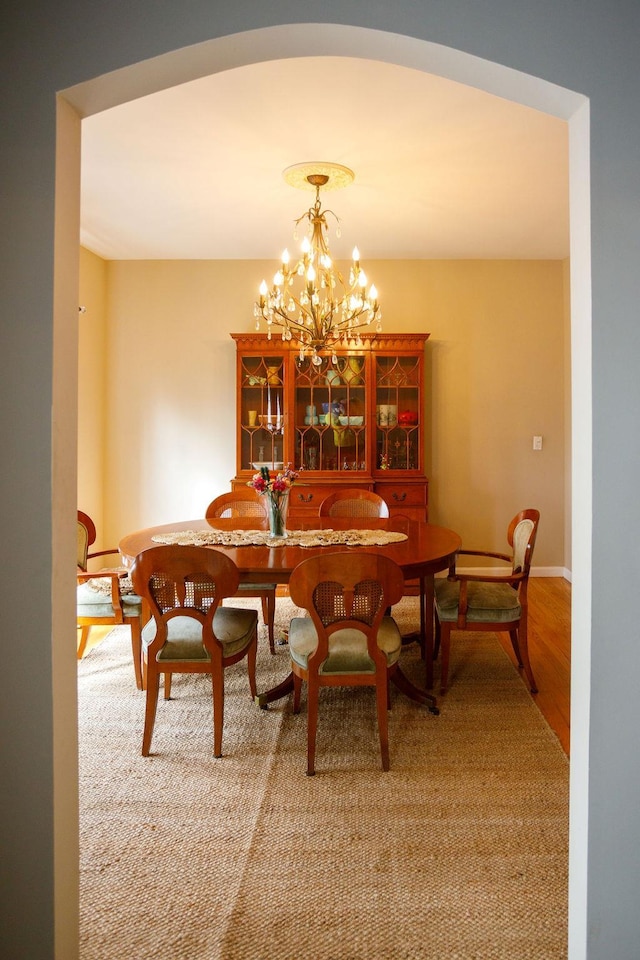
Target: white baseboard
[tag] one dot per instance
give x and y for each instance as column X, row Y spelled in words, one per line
column 551, row 572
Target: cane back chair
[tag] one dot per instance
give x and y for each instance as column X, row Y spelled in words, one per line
column 243, row 504
column 190, row 630
column 347, row 640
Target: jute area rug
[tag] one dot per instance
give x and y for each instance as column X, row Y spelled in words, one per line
column 459, row 852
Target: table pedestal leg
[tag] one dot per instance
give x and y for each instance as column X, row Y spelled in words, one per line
column 398, row 678
column 283, row 689
column 404, row 685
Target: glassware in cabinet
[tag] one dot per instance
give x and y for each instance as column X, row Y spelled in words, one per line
column 261, row 409
column 328, row 421
column 398, row 389
column 329, row 414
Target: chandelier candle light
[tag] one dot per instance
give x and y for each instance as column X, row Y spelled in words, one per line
column 310, row 300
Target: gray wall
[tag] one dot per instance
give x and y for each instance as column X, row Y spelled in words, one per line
column 587, row 46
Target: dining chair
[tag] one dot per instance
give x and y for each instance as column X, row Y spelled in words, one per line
column 190, row 630
column 247, row 503
column 105, row 597
column 354, row 503
column 482, row 602
column 347, row 639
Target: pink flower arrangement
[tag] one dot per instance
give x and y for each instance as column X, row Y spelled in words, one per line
column 276, row 490
column 263, row 482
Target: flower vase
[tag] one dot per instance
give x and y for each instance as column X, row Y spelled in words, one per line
column 278, row 504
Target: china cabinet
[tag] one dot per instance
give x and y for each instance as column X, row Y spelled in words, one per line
column 357, row 423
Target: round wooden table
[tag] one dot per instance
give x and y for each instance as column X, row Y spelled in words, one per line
column 427, row 550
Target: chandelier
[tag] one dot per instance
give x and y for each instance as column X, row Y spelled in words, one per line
column 309, row 301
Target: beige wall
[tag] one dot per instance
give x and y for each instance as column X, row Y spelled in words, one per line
column 568, row 473
column 92, row 374
column 496, row 372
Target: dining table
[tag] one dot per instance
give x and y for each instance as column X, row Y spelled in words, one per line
column 420, row 549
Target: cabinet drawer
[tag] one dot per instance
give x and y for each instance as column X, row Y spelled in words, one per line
column 406, row 499
column 304, row 501
column 403, row 494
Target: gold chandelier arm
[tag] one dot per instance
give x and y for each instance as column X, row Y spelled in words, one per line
column 324, row 315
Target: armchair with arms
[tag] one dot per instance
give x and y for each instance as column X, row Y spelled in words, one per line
column 496, row 603
column 105, row 597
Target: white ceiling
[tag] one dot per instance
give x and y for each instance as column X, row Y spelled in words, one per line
column 442, row 170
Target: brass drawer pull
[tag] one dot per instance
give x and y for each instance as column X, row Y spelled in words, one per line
column 305, row 499
column 399, row 496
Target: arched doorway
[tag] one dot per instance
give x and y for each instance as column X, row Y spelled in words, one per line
column 329, row 39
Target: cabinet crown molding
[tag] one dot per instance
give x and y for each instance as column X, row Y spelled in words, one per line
column 370, row 343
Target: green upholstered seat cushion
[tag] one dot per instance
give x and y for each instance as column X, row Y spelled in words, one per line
column 94, row 603
column 348, row 647
column 487, row 602
column 233, row 627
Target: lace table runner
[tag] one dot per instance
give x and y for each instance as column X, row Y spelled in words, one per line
column 294, row 538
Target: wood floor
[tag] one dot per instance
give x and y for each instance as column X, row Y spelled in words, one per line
column 550, row 650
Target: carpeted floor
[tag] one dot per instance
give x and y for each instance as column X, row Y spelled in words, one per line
column 458, row 853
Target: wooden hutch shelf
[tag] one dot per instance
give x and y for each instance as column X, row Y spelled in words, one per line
column 358, row 424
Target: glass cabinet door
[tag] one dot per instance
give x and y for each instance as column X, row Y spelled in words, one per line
column 262, row 412
column 358, row 422
column 398, row 412
column 330, row 415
